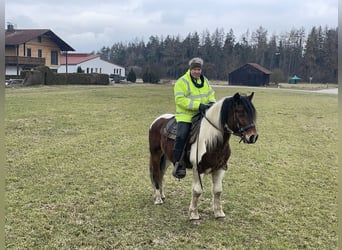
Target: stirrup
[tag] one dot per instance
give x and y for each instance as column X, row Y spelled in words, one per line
column 179, row 171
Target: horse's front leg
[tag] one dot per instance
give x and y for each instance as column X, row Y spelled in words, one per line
column 217, row 177
column 196, row 193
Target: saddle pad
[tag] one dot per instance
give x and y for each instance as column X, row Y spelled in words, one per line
column 170, row 130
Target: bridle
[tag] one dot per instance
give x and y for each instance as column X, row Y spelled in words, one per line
column 243, row 130
column 240, row 132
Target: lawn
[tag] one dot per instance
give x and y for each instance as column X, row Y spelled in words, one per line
column 77, row 173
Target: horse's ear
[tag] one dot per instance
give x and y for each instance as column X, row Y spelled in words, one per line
column 236, row 97
column 250, row 97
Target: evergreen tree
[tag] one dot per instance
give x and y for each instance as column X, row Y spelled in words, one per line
column 80, row 70
column 293, row 52
column 131, row 77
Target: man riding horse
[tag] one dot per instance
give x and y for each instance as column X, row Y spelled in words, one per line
column 193, row 94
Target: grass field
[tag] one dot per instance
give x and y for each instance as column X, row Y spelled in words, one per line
column 77, row 173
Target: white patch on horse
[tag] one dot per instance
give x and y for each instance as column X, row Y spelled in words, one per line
column 208, row 135
column 165, row 116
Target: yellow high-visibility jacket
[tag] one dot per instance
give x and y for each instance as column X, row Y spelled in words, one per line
column 188, row 96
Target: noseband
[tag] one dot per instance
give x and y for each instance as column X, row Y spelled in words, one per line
column 242, row 131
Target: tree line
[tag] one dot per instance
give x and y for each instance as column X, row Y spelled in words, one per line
column 311, row 56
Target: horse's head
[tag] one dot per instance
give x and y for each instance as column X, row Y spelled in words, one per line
column 241, row 117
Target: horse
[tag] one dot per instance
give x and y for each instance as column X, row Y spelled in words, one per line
column 208, row 153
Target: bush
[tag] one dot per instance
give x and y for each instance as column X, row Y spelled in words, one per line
column 131, row 77
column 84, row 79
column 277, row 76
column 43, row 75
column 150, row 77
column 80, row 70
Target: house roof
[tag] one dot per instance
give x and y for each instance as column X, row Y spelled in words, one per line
column 260, row 68
column 77, row 58
column 20, row 36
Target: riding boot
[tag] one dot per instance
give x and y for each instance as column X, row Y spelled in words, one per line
column 183, row 129
column 179, row 171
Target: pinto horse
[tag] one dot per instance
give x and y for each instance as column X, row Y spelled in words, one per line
column 208, row 153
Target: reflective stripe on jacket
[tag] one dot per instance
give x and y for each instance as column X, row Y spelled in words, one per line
column 188, row 97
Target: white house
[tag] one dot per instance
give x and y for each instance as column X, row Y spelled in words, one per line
column 89, row 64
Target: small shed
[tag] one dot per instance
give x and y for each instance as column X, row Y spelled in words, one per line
column 250, row 74
column 294, row 79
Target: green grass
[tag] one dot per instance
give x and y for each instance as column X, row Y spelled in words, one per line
column 77, row 173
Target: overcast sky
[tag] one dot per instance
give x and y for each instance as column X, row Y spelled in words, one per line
column 88, row 25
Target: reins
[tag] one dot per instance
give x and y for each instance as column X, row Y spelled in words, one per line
column 226, row 130
column 226, row 127
column 199, row 176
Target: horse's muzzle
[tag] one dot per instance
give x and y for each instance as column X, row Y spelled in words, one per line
column 252, row 139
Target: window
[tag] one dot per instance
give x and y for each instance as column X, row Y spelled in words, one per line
column 39, row 39
column 40, row 53
column 28, row 52
column 54, row 58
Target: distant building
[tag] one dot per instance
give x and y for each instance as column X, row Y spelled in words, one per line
column 26, row 49
column 250, row 74
column 89, row 63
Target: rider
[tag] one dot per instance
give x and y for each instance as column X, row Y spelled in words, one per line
column 193, row 94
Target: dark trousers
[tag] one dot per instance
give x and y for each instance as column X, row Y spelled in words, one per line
column 183, row 129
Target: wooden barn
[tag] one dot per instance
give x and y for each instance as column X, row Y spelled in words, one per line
column 250, row 74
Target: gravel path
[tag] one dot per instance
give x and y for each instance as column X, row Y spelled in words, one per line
column 333, row 91
column 328, row 91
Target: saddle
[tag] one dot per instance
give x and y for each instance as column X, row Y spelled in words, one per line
column 170, row 132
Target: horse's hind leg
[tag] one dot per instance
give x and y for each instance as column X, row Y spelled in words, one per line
column 217, row 177
column 157, row 170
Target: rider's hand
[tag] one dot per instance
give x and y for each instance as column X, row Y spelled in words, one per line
column 203, row 108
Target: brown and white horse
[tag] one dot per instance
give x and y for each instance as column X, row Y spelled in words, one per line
column 210, row 150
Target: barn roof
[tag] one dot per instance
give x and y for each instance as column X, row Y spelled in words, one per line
column 77, row 58
column 20, row 36
column 260, row 68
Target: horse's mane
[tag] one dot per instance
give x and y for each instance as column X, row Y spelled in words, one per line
column 229, row 104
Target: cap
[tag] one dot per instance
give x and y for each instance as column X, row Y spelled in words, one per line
column 196, row 62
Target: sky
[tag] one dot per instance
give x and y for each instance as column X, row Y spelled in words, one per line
column 89, row 25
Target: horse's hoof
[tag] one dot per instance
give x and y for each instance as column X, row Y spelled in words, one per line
column 158, row 202
column 195, row 222
column 194, row 216
column 220, row 218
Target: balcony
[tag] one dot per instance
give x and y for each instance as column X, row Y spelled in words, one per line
column 24, row 61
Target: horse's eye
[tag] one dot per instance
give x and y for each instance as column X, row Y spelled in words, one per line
column 240, row 113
